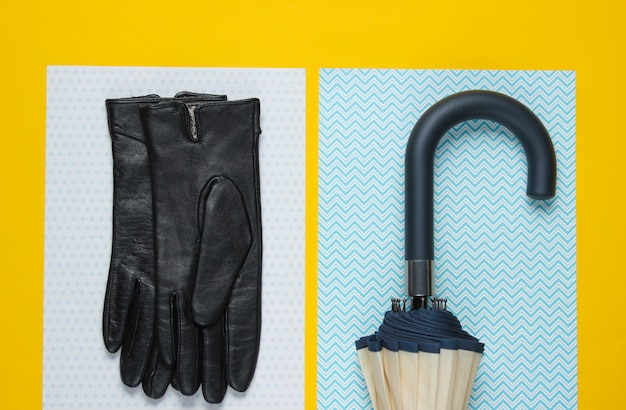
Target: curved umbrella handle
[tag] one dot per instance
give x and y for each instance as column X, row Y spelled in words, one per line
column 420, row 153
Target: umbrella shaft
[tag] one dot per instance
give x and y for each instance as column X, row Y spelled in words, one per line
column 419, row 302
column 419, row 274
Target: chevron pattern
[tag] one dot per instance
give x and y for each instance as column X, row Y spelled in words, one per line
column 506, row 263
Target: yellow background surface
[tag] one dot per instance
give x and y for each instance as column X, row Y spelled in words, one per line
column 588, row 37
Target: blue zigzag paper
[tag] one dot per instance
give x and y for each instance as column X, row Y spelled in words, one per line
column 506, row 263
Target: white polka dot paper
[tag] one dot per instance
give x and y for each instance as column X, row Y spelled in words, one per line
column 78, row 371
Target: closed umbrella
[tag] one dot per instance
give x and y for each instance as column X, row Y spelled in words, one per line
column 422, row 358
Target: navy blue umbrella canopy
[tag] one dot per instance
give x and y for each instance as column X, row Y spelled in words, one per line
column 422, row 358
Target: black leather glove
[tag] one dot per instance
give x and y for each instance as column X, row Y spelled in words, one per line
column 207, row 232
column 128, row 318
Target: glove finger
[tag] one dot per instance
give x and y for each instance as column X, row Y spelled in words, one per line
column 164, row 328
column 243, row 324
column 187, row 350
column 117, row 302
column 139, row 335
column 214, row 382
column 225, row 241
column 131, row 253
column 156, row 378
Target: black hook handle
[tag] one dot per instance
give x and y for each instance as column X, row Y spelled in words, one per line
column 420, row 153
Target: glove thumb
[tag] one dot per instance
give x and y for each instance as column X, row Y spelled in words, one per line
column 225, row 239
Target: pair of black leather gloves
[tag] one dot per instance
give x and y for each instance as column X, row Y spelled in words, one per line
column 183, row 299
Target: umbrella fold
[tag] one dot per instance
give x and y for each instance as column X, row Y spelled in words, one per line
column 367, row 368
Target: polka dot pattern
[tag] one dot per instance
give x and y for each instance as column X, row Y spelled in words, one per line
column 78, row 371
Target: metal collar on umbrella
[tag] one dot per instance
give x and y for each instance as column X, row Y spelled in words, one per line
column 420, row 357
